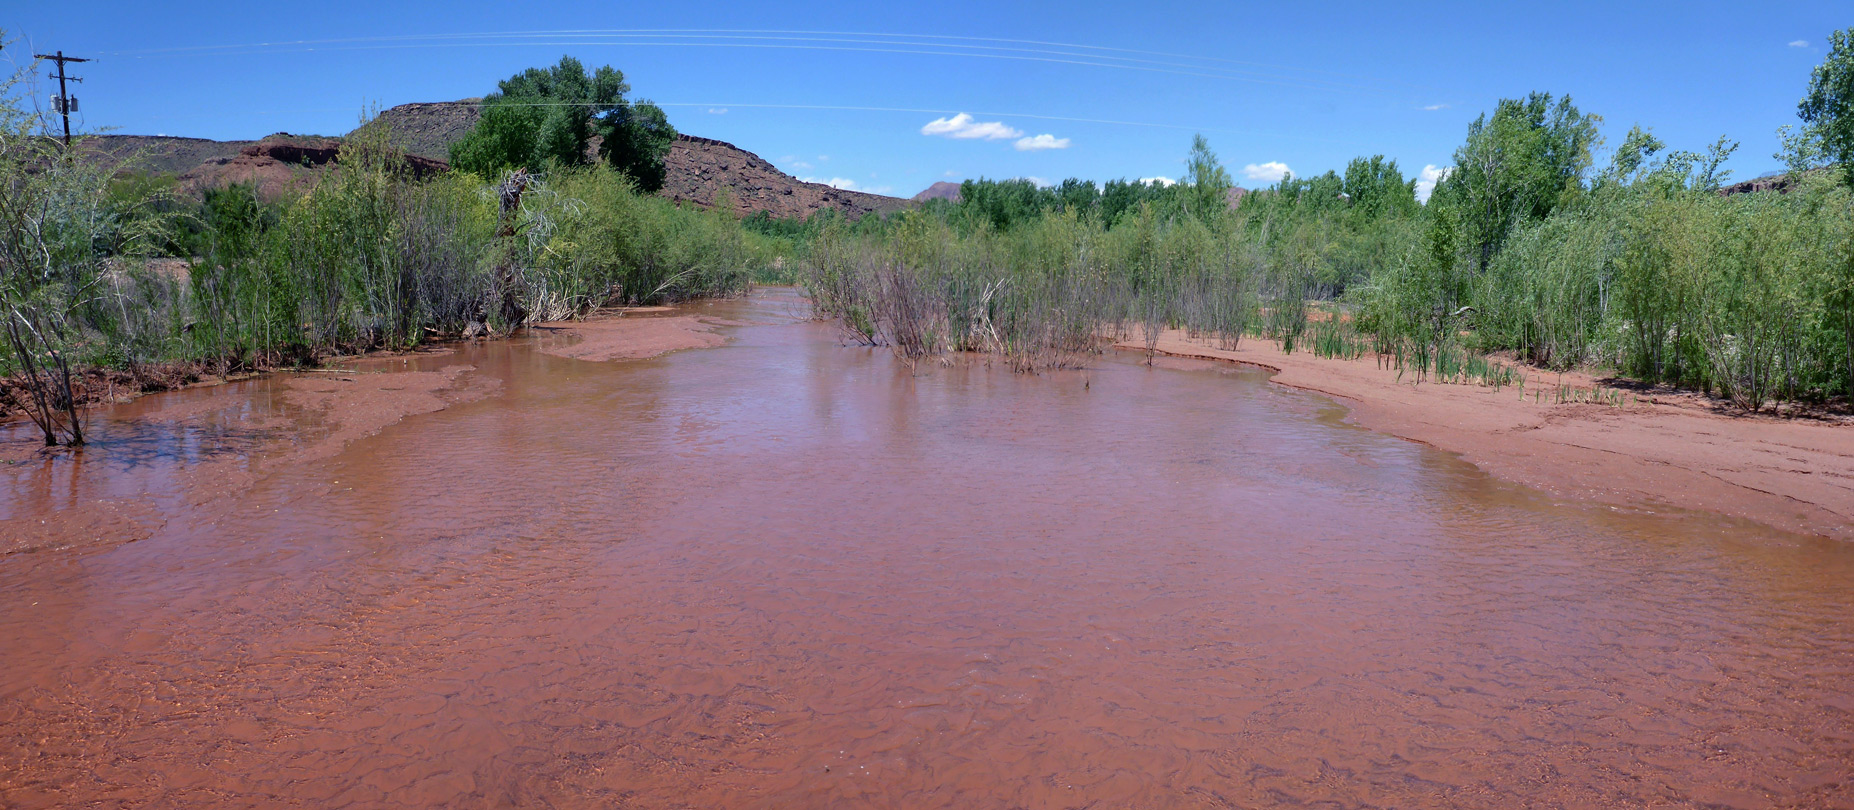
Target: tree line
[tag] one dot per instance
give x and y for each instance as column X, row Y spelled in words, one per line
column 1526, row 246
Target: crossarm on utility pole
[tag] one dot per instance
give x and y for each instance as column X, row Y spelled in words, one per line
column 64, row 96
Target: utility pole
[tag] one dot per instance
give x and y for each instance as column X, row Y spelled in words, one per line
column 64, row 104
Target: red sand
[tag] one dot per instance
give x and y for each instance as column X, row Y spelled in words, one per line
column 631, row 338
column 1792, row 474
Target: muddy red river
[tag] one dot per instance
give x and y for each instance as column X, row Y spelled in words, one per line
column 782, row 572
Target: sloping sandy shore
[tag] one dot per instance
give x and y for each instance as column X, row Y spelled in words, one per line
column 643, row 332
column 1792, row 474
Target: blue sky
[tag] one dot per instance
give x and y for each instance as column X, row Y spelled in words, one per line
column 869, row 94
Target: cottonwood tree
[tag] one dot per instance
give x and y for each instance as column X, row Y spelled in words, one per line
column 1827, row 110
column 1376, row 188
column 545, row 117
column 1207, row 183
column 1516, row 167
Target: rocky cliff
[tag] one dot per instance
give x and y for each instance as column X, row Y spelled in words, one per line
column 427, row 129
column 700, row 167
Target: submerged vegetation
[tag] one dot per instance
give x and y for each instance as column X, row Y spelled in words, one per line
column 1642, row 267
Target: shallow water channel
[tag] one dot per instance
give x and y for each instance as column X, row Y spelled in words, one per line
column 790, row 573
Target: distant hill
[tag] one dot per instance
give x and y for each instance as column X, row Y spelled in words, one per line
column 277, row 164
column 284, row 163
column 698, row 168
column 942, row 190
column 427, row 129
column 156, row 153
column 1780, row 182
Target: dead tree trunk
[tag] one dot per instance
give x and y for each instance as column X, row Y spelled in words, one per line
column 508, row 273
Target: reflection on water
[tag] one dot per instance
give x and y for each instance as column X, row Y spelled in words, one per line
column 786, row 573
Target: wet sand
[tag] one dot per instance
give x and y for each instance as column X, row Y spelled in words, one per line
column 1666, row 452
column 641, row 333
column 783, row 572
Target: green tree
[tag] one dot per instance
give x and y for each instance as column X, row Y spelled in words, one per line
column 1633, row 157
column 1827, row 112
column 1004, row 204
column 1207, row 183
column 1080, row 196
column 1376, row 188
column 545, row 117
column 1122, row 197
column 1517, row 167
column 636, row 137
column 1828, row 109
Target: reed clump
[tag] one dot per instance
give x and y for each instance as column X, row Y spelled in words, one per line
column 1643, row 269
column 1046, row 294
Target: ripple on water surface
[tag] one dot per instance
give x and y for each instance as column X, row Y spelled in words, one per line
column 785, row 572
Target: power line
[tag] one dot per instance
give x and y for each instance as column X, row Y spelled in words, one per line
column 949, row 111
column 947, row 41
column 1099, row 56
column 915, row 50
column 65, row 103
column 181, row 115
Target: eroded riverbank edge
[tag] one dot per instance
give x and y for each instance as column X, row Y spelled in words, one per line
column 649, row 332
column 323, row 411
column 1791, row 474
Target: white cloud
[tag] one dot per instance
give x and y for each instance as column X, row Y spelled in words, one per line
column 717, row 111
column 1037, row 181
column 950, row 173
column 1163, row 181
column 1270, row 172
column 962, row 126
column 1801, row 43
column 1041, row 142
column 1426, row 182
column 823, row 158
column 798, row 164
column 1434, row 107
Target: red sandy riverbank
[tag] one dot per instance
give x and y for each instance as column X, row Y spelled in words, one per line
column 1792, row 474
column 648, row 332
